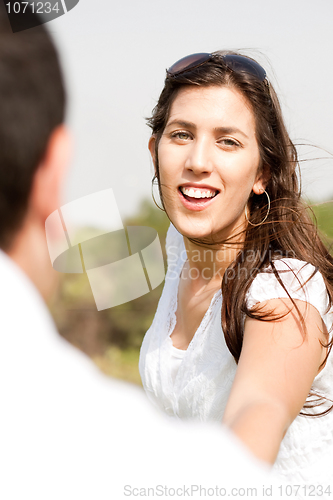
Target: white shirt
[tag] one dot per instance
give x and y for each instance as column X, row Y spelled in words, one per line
column 68, row 432
column 201, row 387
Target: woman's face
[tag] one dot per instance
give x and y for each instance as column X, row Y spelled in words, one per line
column 208, row 161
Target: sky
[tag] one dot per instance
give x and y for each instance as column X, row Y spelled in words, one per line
column 114, row 56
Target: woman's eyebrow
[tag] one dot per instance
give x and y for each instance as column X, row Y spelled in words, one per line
column 181, row 123
column 230, row 130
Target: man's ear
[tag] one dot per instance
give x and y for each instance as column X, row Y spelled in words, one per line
column 48, row 180
column 151, row 147
column 262, row 180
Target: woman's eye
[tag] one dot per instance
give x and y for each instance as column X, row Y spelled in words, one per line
column 229, row 143
column 183, row 136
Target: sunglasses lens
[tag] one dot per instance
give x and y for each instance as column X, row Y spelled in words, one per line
column 188, row 62
column 236, row 63
column 240, row 64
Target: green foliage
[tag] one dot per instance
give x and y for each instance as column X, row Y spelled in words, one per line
column 324, row 217
column 120, row 363
column 112, row 337
column 149, row 215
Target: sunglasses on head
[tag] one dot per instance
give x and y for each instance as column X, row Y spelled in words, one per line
column 235, row 62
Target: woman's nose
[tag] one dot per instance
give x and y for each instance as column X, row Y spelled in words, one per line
column 199, row 158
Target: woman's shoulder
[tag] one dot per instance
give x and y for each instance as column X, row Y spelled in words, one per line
column 289, row 277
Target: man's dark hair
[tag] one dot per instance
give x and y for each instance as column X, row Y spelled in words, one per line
column 32, row 105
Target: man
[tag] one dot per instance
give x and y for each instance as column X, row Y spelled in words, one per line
column 68, row 432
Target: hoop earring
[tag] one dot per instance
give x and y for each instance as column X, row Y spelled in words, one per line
column 268, row 210
column 152, row 192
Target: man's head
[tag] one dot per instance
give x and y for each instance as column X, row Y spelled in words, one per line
column 32, row 139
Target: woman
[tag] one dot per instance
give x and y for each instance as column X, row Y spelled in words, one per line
column 258, row 360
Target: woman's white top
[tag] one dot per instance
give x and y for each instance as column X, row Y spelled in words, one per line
column 175, row 360
column 196, row 383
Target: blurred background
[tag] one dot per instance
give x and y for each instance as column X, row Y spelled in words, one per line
column 114, row 56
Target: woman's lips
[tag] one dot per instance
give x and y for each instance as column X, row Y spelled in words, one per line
column 195, row 204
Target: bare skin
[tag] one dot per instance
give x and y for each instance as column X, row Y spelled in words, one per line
column 28, row 248
column 195, row 293
column 274, row 376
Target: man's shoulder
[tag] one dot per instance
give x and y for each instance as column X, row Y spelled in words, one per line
column 42, row 364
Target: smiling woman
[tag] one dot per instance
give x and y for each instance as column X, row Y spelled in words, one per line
column 214, row 149
column 242, row 333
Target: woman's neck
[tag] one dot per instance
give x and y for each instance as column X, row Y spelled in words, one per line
column 207, row 263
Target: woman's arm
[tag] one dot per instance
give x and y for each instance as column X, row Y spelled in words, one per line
column 274, row 375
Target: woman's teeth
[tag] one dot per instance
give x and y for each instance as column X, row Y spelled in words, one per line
column 198, row 193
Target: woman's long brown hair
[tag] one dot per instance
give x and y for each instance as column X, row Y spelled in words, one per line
column 288, row 231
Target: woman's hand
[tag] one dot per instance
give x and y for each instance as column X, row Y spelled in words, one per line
column 274, row 375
